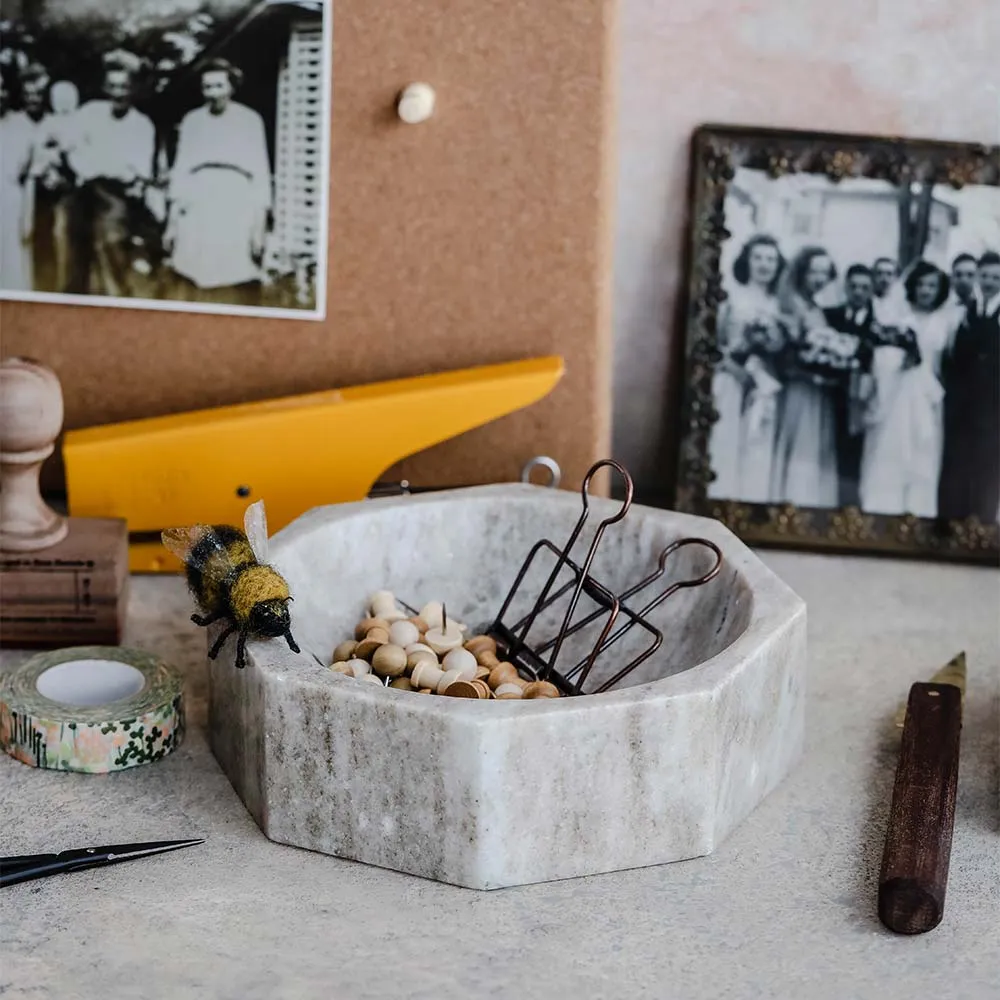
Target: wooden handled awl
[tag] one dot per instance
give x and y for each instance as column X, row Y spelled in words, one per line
column 914, row 873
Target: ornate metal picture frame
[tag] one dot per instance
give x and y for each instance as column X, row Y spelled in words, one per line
column 821, row 190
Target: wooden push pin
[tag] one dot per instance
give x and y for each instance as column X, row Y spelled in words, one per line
column 445, row 638
column 540, row 689
column 460, row 659
column 344, row 651
column 418, row 653
column 367, row 624
column 426, row 675
column 403, row 633
column 64, row 580
column 461, row 689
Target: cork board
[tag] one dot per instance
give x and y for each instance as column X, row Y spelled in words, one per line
column 480, row 236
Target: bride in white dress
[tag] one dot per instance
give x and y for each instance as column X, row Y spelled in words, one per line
column 804, row 470
column 745, row 391
column 904, row 439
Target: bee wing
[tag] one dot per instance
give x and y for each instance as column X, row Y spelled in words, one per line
column 255, row 527
column 186, row 544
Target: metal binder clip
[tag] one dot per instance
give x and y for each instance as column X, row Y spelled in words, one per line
column 539, row 659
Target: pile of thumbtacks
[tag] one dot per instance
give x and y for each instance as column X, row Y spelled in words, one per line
column 428, row 653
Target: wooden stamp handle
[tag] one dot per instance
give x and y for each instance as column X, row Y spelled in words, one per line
column 31, row 416
column 914, row 872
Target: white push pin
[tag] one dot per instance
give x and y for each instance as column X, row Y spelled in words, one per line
column 416, row 103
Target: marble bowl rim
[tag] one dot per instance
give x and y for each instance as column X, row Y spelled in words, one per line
column 774, row 606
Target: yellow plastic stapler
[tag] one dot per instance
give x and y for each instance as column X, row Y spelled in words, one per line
column 298, row 452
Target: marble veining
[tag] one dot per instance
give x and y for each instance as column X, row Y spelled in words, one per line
column 487, row 795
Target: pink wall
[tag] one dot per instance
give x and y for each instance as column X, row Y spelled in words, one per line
column 925, row 68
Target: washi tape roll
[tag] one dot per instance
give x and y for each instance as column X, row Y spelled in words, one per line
column 91, row 708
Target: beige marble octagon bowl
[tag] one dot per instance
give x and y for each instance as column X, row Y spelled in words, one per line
column 488, row 794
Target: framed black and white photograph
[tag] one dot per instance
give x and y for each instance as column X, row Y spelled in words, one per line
column 166, row 154
column 843, row 342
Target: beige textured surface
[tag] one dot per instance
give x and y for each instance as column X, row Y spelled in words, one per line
column 923, row 68
column 477, row 237
column 785, row 909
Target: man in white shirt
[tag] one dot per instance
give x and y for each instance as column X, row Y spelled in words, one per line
column 57, row 140
column 963, row 278
column 884, row 273
column 37, row 217
column 963, row 290
column 114, row 159
column 851, row 399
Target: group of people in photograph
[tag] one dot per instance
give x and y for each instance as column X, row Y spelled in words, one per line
column 889, row 401
column 94, row 202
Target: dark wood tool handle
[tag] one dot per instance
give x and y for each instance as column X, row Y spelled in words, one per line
column 922, row 816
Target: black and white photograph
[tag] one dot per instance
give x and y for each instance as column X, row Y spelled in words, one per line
column 166, row 154
column 860, row 343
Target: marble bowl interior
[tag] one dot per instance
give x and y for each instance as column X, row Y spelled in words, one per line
column 465, row 548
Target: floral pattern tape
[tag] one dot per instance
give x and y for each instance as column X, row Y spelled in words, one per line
column 133, row 730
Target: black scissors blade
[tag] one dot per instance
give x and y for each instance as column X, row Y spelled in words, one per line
column 24, row 867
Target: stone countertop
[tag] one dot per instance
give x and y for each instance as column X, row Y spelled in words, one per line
column 784, row 908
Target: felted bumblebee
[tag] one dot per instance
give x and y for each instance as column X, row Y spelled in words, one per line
column 229, row 577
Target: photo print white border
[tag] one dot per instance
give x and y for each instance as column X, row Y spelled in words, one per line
column 320, row 279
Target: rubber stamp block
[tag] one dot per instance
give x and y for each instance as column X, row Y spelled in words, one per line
column 72, row 593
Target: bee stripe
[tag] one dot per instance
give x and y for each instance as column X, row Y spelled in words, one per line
column 252, row 585
column 210, row 583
